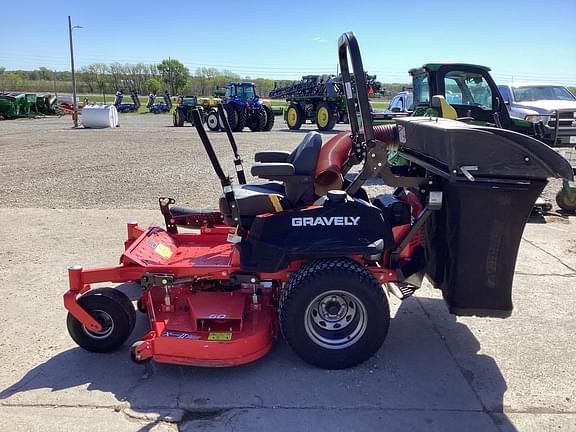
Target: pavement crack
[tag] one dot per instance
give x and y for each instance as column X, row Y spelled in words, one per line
column 566, row 275
column 206, row 413
column 115, row 407
column 572, row 269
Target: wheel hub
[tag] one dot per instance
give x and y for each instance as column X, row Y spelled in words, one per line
column 335, row 319
column 213, row 121
column 323, row 117
column 107, row 325
column 292, row 116
column 334, row 309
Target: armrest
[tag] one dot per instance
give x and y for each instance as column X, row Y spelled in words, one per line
column 265, row 170
column 271, row 156
column 278, row 171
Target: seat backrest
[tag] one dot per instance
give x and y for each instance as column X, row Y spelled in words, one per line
column 446, row 110
column 304, row 158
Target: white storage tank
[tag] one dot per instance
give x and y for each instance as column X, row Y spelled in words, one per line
column 99, row 116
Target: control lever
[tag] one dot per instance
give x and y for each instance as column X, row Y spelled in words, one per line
column 465, row 169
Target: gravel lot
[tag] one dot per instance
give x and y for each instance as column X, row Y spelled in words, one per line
column 45, row 163
column 48, row 164
column 65, row 197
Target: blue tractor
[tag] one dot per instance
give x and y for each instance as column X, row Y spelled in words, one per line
column 159, row 107
column 127, row 107
column 243, row 108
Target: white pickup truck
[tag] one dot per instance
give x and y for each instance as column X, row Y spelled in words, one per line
column 552, row 105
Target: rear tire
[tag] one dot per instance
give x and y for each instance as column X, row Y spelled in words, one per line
column 294, row 117
column 232, row 116
column 333, row 313
column 178, row 118
column 241, row 115
column 269, row 118
column 566, row 201
column 325, row 118
column 213, row 121
column 113, row 310
column 259, row 121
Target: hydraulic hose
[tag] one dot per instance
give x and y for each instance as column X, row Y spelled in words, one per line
column 386, row 133
column 336, row 151
column 332, row 156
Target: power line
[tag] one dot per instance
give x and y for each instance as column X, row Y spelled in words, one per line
column 277, row 71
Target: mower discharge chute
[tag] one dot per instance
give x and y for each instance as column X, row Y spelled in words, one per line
column 300, row 254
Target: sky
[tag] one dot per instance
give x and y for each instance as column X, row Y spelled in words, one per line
column 520, row 40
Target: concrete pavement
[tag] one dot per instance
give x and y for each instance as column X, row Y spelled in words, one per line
column 435, row 372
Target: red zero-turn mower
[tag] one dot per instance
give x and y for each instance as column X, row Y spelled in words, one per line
column 310, row 254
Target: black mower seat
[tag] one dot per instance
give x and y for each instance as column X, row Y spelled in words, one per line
column 297, row 187
column 296, row 171
column 254, row 199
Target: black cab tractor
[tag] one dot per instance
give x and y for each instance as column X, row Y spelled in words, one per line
column 304, row 254
column 467, row 92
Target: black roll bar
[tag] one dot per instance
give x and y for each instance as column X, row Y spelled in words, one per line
column 237, row 159
column 224, row 179
column 348, row 43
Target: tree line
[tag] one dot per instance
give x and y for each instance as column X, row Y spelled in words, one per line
column 102, row 78
column 169, row 74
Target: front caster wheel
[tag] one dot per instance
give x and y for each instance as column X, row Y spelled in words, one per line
column 333, row 313
column 113, row 310
column 135, row 358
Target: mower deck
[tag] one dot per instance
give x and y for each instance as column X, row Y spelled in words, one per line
column 191, row 323
column 215, row 329
column 157, row 247
column 200, row 328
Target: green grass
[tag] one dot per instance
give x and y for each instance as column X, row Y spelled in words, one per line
column 110, row 100
column 380, row 105
column 143, row 110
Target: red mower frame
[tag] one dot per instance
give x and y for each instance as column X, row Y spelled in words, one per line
column 205, row 309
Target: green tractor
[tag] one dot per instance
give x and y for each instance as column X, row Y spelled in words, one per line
column 468, row 93
column 316, row 98
column 466, row 88
column 183, row 112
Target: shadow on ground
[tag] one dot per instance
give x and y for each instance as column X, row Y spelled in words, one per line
column 426, row 377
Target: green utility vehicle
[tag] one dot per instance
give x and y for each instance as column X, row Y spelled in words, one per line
column 468, row 93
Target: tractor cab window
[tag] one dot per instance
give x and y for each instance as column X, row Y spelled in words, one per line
column 231, row 91
column 467, row 88
column 410, row 102
column 397, row 104
column 246, row 92
column 421, row 90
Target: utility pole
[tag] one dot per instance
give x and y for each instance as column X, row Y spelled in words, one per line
column 75, row 102
column 54, row 80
